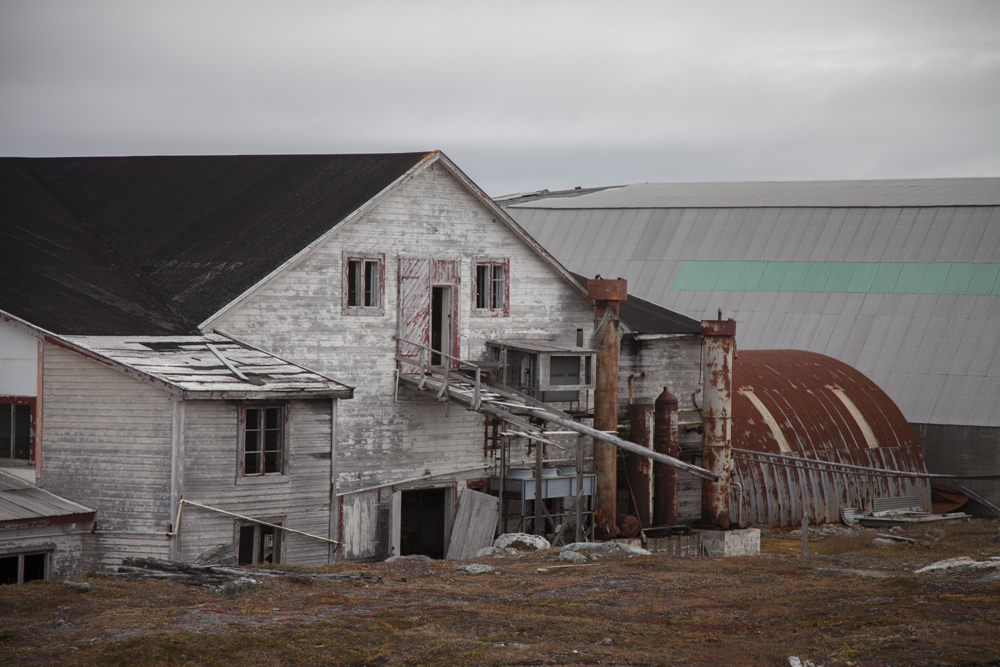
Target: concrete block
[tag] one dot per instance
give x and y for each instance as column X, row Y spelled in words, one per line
column 725, row 543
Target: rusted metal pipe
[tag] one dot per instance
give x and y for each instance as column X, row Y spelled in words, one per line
column 665, row 441
column 607, row 294
column 718, row 342
column 640, row 468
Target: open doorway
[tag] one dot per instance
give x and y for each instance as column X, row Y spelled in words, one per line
column 440, row 324
column 422, row 522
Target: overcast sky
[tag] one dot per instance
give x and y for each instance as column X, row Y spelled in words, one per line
column 522, row 96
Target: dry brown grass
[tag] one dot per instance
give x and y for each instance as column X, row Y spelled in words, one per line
column 857, row 604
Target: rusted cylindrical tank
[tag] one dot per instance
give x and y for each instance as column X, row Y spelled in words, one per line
column 607, row 294
column 665, row 441
column 640, row 468
column 808, row 405
column 718, row 344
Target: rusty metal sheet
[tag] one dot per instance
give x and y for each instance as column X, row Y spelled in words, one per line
column 804, row 392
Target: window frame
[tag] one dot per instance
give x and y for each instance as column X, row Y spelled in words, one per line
column 46, row 553
column 279, row 540
column 492, row 310
column 32, row 403
column 241, row 460
column 379, row 292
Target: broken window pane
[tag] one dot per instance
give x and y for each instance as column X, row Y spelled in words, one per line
column 364, row 284
column 22, row 432
column 491, row 286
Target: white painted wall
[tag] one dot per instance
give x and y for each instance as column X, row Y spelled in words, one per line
column 18, row 362
column 298, row 316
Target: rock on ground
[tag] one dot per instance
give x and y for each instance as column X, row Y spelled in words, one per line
column 522, row 542
column 573, row 557
column 603, row 547
column 498, row 553
column 475, row 568
column 420, row 557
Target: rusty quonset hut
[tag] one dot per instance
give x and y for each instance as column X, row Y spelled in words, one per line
column 796, row 403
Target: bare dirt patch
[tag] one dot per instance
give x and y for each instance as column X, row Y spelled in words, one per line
column 847, row 603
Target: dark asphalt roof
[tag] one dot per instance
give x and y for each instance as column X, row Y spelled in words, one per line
column 645, row 317
column 156, row 245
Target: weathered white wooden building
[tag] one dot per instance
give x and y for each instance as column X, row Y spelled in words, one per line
column 184, row 328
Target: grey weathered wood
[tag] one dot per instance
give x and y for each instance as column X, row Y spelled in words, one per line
column 475, row 524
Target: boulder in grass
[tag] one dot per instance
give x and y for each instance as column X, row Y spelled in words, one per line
column 522, row 542
column 475, row 568
column 573, row 556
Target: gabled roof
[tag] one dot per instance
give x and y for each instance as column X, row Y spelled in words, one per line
column 156, row 245
column 24, row 505
column 166, row 245
column 645, row 317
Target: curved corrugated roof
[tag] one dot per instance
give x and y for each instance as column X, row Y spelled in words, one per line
column 798, row 403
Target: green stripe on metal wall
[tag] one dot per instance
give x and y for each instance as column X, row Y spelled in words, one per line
column 874, row 277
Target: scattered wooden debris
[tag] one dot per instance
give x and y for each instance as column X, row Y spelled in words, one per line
column 216, row 576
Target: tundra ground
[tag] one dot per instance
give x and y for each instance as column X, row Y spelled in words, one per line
column 847, row 603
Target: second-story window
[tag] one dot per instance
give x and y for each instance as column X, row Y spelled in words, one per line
column 364, row 284
column 492, row 287
column 17, row 431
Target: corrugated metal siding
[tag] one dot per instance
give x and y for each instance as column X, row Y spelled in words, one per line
column 936, row 347
column 800, row 390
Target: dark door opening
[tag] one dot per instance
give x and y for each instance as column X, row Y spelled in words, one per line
column 440, row 324
column 421, row 523
column 258, row 544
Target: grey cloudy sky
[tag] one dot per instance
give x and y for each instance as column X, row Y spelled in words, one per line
column 522, row 95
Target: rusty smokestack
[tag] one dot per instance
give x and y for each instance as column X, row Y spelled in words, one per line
column 640, row 468
column 607, row 294
column 665, row 441
column 718, row 341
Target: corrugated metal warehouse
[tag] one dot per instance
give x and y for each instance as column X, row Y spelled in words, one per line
column 898, row 279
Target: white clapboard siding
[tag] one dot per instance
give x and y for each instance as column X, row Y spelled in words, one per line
column 475, row 524
column 298, row 499
column 107, row 444
column 298, row 316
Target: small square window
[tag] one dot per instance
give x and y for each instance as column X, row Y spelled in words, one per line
column 364, row 284
column 262, row 439
column 492, row 287
column 17, row 431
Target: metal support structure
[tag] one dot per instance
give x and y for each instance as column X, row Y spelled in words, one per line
column 665, row 441
column 640, row 468
column 607, row 294
column 718, row 344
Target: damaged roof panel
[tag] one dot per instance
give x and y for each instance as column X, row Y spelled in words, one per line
column 212, row 366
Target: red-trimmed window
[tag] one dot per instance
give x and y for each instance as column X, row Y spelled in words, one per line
column 491, row 287
column 364, row 284
column 17, row 431
column 263, row 439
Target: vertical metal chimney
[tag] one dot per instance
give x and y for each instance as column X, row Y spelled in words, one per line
column 718, row 342
column 607, row 294
column 665, row 441
column 640, row 468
